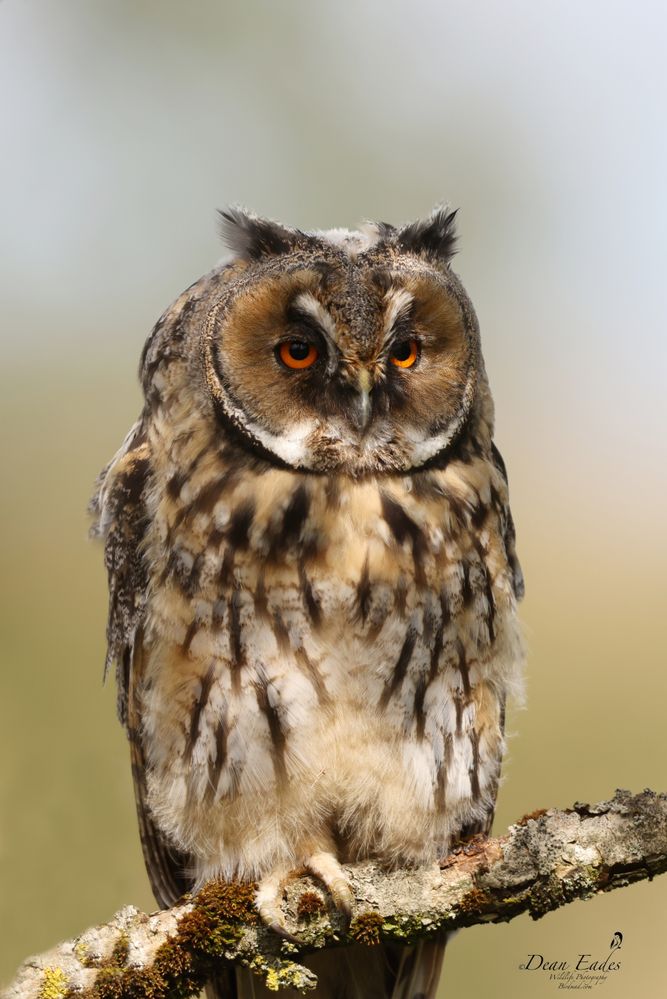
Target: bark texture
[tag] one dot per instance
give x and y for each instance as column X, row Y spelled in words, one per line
column 545, row 860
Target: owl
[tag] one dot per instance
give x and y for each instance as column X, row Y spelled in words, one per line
column 313, row 578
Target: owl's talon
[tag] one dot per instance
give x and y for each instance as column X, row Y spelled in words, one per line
column 322, row 866
column 267, row 902
column 326, row 869
column 281, row 930
column 343, row 899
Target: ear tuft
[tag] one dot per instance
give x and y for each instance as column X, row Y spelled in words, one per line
column 250, row 237
column 434, row 237
column 385, row 231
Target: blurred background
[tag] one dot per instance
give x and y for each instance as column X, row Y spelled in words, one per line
column 124, row 126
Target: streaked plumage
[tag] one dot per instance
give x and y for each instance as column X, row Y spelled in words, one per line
column 312, row 572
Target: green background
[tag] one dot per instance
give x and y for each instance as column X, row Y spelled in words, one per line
column 124, row 126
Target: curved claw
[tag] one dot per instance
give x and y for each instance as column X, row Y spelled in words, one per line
column 267, row 901
column 326, row 869
column 281, row 930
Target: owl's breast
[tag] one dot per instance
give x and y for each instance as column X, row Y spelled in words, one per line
column 328, row 640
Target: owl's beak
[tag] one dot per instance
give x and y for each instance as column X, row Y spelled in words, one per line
column 362, row 409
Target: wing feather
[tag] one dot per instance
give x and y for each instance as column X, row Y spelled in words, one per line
column 509, row 533
column 166, row 866
column 120, row 519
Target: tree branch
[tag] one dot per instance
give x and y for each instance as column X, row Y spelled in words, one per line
column 547, row 859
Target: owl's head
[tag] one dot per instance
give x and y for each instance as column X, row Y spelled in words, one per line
column 342, row 351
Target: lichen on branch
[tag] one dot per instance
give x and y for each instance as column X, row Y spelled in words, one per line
column 544, row 861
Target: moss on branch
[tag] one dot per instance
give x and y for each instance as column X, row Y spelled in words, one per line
column 547, row 859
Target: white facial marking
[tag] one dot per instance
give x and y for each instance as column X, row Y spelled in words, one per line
column 398, row 302
column 307, row 303
column 424, row 448
column 291, row 447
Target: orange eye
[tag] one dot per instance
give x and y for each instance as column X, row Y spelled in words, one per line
column 297, row 354
column 405, row 353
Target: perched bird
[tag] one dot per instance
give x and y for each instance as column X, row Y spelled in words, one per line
column 312, row 575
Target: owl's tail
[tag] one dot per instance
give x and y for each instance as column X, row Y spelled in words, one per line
column 357, row 972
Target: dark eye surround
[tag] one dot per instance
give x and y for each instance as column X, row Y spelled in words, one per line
column 405, row 353
column 304, row 345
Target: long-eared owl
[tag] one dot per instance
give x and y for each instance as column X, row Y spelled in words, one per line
column 312, row 575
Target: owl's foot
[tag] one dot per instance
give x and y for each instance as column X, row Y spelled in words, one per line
column 267, row 901
column 326, row 869
column 322, row 866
